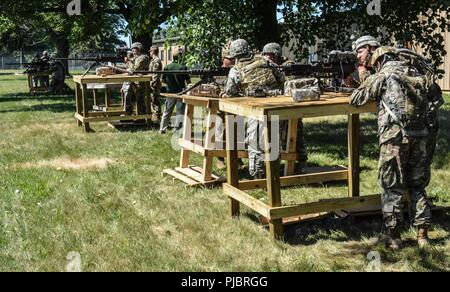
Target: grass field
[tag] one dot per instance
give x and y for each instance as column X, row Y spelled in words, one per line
column 102, row 195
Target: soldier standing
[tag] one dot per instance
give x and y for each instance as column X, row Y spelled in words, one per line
column 135, row 92
column 401, row 96
column 155, row 65
column 253, row 75
column 273, row 52
column 176, row 83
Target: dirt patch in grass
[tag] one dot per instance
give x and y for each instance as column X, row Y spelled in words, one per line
column 71, row 164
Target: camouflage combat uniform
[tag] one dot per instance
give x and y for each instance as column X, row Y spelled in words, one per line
column 249, row 77
column 400, row 92
column 156, row 65
column 135, row 92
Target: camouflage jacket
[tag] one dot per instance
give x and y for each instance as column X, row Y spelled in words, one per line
column 156, row 65
column 401, row 96
column 253, row 74
column 139, row 63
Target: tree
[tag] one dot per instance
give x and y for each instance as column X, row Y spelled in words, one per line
column 336, row 22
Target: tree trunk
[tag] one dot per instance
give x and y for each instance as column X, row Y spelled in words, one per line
column 268, row 31
column 63, row 50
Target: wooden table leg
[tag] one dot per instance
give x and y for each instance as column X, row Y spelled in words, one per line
column 353, row 156
column 147, row 100
column 95, row 97
column 210, row 141
column 291, row 146
column 232, row 160
column 78, row 103
column 187, row 135
column 273, row 182
column 84, row 97
column 107, row 100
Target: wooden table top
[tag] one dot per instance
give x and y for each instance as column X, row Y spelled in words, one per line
column 330, row 104
column 119, row 78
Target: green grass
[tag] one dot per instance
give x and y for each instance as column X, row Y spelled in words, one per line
column 127, row 217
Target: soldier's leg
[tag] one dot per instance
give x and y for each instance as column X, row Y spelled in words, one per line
column 140, row 99
column 255, row 146
column 165, row 121
column 432, row 141
column 156, row 103
column 128, row 94
column 181, row 109
column 417, row 167
column 301, row 145
column 392, row 166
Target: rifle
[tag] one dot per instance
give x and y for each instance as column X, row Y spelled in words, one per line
column 117, row 58
column 206, row 75
column 34, row 64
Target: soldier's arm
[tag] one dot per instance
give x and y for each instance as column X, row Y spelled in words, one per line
column 232, row 84
column 370, row 90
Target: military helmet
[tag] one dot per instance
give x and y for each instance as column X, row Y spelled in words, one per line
column 380, row 52
column 273, row 48
column 154, row 48
column 238, row 48
column 366, row 41
column 137, row 46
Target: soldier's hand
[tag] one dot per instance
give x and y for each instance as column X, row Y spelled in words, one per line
column 362, row 69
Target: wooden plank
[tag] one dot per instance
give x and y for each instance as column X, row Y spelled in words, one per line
column 195, row 175
column 303, row 179
column 353, row 156
column 85, row 110
column 192, row 147
column 78, row 103
column 198, row 169
column 291, row 145
column 210, row 141
column 119, row 78
column 273, row 183
column 112, row 118
column 187, row 135
column 180, row 177
column 232, row 160
column 244, row 198
column 325, row 206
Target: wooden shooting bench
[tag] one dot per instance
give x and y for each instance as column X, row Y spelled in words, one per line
column 195, row 176
column 331, row 104
column 207, row 147
column 108, row 112
column 37, row 89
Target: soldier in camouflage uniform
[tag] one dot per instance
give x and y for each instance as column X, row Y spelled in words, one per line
column 273, row 52
column 135, row 92
column 155, row 65
column 227, row 62
column 252, row 76
column 401, row 95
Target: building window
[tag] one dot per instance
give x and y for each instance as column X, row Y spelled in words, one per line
column 169, row 57
column 163, row 56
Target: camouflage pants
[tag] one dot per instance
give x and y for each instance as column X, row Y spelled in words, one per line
column 301, row 144
column 432, row 140
column 156, row 101
column 255, row 141
column 402, row 169
column 134, row 94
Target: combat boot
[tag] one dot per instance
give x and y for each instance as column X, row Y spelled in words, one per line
column 422, row 237
column 394, row 241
